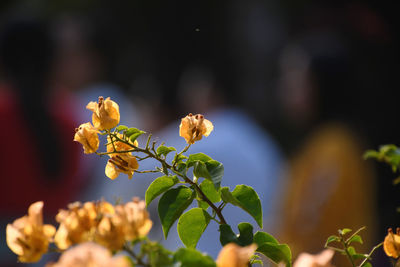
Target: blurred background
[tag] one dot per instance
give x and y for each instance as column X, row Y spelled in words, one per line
column 297, row 91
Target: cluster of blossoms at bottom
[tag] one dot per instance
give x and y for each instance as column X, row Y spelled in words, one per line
column 101, row 222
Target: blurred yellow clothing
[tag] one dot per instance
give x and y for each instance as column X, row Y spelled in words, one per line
column 330, row 187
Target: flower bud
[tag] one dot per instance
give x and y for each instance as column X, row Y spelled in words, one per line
column 105, row 113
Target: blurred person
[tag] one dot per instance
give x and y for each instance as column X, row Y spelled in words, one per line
column 329, row 185
column 38, row 159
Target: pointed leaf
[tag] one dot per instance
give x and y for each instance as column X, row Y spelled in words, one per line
column 159, row 186
column 355, row 238
column 332, row 238
column 246, row 198
column 345, row 231
column 164, row 150
column 172, row 204
column 277, row 253
column 262, row 237
column 191, row 226
column 121, row 128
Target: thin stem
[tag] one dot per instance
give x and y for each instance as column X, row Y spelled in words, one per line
column 147, row 171
column 138, row 260
column 344, row 243
column 370, row 254
column 165, row 167
column 356, row 232
column 203, row 196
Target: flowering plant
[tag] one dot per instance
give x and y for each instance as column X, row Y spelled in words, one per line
column 91, row 233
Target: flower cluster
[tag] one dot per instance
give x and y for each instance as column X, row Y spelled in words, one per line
column 105, row 117
column 103, row 223
column 100, row 222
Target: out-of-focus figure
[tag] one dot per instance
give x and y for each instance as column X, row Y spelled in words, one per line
column 38, row 159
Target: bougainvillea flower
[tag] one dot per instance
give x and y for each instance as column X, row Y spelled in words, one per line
column 28, row 237
column 135, row 219
column 89, row 254
column 78, row 223
column 121, row 162
column 193, row 127
column 105, row 113
column 87, row 135
column 391, row 244
column 322, row 259
column 233, row 255
column 110, row 233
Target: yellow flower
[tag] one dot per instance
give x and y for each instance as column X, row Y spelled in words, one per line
column 192, row 128
column 28, row 237
column 322, row 259
column 233, row 255
column 120, row 162
column 391, row 244
column 135, row 219
column 89, row 254
column 78, row 223
column 110, row 233
column 105, row 113
column 86, row 134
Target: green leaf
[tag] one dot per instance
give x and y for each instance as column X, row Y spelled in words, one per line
column 262, row 237
column 134, row 136
column 164, row 150
column 121, row 128
column 131, row 131
column 200, row 170
column 209, row 190
column 246, row 234
column 159, row 186
column 172, row 204
column 197, row 157
column 189, row 257
column 227, row 235
column 277, row 253
column 344, row 231
column 244, row 238
column 355, row 238
column 202, row 204
column 216, row 171
column 191, row 226
column 246, row 198
column 332, row 238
